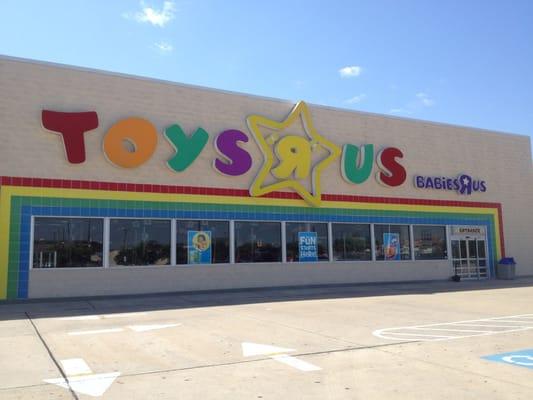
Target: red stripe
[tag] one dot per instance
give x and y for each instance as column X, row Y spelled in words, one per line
column 212, row 191
column 500, row 219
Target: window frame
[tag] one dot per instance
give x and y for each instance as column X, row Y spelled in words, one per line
column 174, row 246
column 281, row 237
column 328, row 244
column 447, row 243
column 232, row 241
column 32, row 239
column 371, row 236
column 411, row 253
column 115, row 267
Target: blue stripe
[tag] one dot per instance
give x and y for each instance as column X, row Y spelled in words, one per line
column 28, row 211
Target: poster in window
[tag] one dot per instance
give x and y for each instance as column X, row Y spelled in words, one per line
column 391, row 246
column 307, row 246
column 199, row 247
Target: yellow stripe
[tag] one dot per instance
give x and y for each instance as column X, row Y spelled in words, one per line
column 8, row 191
column 5, row 210
column 214, row 199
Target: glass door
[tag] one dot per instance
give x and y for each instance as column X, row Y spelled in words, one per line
column 469, row 258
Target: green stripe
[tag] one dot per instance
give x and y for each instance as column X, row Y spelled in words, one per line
column 13, row 260
column 177, row 206
column 19, row 201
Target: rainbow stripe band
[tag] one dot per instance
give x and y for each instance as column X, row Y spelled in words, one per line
column 22, row 198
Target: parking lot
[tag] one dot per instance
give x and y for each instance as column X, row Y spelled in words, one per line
column 443, row 340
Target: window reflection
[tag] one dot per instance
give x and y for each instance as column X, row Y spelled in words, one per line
column 430, row 242
column 139, row 242
column 257, row 242
column 218, row 243
column 318, row 232
column 392, row 242
column 351, row 242
column 67, row 242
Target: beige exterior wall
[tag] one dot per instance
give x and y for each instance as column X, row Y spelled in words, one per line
column 116, row 280
column 502, row 160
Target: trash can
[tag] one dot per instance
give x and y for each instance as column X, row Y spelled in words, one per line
column 506, row 268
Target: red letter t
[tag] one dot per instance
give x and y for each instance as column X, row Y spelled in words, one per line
column 71, row 126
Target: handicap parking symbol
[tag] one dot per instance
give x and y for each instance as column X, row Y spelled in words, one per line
column 520, row 358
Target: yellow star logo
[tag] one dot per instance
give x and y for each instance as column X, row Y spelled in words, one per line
column 293, row 154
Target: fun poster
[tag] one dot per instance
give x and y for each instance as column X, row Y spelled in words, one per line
column 199, row 247
column 391, row 246
column 307, row 246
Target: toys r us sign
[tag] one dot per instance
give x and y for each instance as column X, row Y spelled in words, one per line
column 287, row 158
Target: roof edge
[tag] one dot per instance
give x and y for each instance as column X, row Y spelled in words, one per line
column 249, row 95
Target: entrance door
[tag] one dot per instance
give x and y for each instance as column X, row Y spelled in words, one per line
column 469, row 258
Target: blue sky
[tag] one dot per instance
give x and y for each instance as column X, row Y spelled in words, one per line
column 461, row 62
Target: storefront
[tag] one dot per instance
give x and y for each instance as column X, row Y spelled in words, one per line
column 113, row 184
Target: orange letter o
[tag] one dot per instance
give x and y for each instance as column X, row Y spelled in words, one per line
column 140, row 132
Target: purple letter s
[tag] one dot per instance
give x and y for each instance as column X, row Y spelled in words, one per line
column 226, row 144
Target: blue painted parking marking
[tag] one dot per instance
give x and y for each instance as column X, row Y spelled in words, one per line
column 520, row 358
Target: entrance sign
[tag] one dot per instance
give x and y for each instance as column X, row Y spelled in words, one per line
column 478, row 232
column 307, row 246
column 391, row 246
column 199, row 247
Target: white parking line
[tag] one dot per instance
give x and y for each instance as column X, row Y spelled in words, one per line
column 487, row 325
column 94, row 332
column 146, row 328
column 135, row 328
column 506, row 323
column 104, row 316
column 451, row 330
column 422, row 335
column 80, row 318
column 75, row 366
column 278, row 354
column 295, row 362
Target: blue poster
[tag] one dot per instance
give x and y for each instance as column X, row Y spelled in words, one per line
column 199, row 247
column 307, row 246
column 391, row 246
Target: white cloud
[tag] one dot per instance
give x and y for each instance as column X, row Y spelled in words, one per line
column 422, row 100
column 350, row 71
column 399, row 111
column 164, row 47
column 425, row 99
column 356, row 99
column 153, row 16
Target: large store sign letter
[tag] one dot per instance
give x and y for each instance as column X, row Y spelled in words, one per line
column 288, row 157
column 71, row 126
column 141, row 136
column 187, row 148
column 239, row 160
column 357, row 163
column 392, row 172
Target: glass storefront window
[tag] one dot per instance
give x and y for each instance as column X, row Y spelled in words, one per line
column 392, row 242
column 430, row 242
column 351, row 242
column 139, row 242
column 67, row 242
column 307, row 241
column 202, row 242
column 257, row 242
